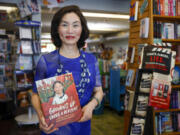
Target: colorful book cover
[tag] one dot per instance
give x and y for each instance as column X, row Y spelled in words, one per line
column 160, row 94
column 161, row 60
column 59, row 100
column 134, row 10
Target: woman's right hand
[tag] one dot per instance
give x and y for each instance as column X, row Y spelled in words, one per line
column 44, row 127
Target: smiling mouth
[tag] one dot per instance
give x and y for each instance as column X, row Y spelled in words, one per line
column 70, row 37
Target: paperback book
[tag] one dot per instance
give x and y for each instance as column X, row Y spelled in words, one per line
column 130, row 77
column 145, row 84
column 59, row 100
column 160, row 94
column 144, row 27
column 137, row 127
column 134, row 10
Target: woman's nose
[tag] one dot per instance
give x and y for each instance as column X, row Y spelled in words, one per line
column 70, row 28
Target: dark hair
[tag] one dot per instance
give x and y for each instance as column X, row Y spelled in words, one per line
column 59, row 83
column 57, row 19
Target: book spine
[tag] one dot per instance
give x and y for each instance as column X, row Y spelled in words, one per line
column 178, row 7
column 162, row 7
column 174, row 7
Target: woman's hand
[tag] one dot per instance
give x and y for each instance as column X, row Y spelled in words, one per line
column 87, row 112
column 44, row 127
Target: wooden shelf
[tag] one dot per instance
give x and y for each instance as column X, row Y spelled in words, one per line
column 171, row 133
column 175, row 86
column 166, row 18
column 167, row 110
column 171, row 40
column 177, row 63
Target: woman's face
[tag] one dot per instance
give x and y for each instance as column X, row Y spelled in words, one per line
column 58, row 88
column 70, row 29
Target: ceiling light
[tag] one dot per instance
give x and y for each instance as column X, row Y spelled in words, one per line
column 7, row 8
column 104, row 27
column 105, row 15
column 45, row 36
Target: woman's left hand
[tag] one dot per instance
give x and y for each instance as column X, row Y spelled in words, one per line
column 87, row 112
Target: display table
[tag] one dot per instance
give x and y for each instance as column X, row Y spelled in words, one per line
column 27, row 119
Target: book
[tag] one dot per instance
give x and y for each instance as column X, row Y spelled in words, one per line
column 2, row 57
column 160, row 94
column 161, row 60
column 144, row 27
column 25, row 33
column 141, row 106
column 134, row 10
column 2, row 70
column 143, row 6
column 128, row 100
column 131, row 54
column 24, row 62
column 137, row 127
column 59, row 100
column 26, row 47
column 130, row 77
column 3, row 45
column 145, row 83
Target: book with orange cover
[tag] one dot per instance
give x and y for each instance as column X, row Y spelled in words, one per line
column 59, row 100
column 134, row 10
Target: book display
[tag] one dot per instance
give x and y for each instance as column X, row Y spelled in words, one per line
column 6, row 65
column 157, row 78
column 28, row 51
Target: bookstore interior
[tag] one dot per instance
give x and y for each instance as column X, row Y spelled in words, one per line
column 144, row 91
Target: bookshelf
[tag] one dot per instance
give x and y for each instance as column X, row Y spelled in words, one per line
column 6, row 65
column 27, row 55
column 135, row 40
column 28, row 52
column 6, row 75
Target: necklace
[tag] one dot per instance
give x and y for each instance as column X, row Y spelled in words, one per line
column 85, row 74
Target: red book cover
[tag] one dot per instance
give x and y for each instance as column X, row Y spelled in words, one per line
column 160, row 94
column 162, row 7
column 59, row 100
column 177, row 7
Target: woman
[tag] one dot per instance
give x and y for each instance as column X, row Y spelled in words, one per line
column 69, row 32
column 60, row 97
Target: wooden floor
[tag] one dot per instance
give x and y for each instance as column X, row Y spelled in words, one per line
column 108, row 123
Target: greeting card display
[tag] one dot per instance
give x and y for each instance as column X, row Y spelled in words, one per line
column 59, row 100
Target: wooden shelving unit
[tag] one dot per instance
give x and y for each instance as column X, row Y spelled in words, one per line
column 134, row 40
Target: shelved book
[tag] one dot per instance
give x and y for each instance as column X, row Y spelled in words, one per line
column 25, row 33
column 160, row 94
column 131, row 54
column 137, row 127
column 167, row 122
column 130, row 77
column 134, row 10
column 59, row 100
column 144, row 27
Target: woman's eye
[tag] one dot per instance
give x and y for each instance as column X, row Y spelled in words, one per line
column 64, row 25
column 75, row 25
